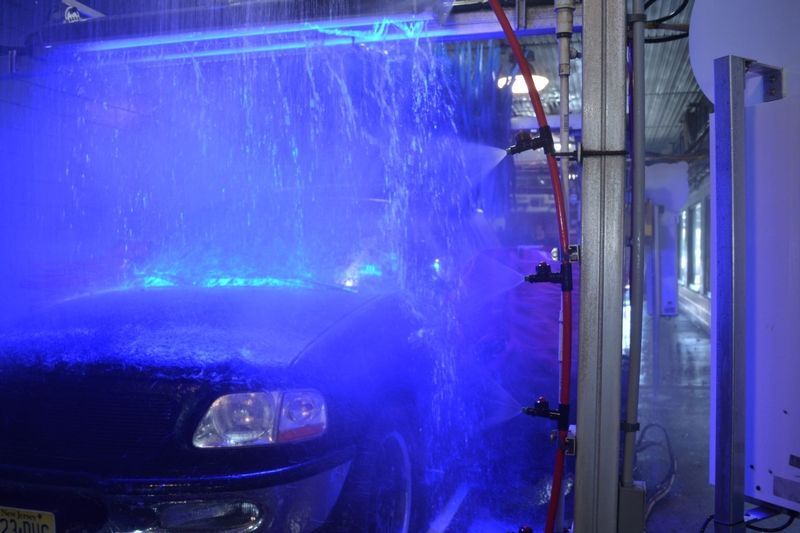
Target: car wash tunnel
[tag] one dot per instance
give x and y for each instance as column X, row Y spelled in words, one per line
column 414, row 266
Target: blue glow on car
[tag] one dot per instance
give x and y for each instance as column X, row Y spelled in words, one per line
column 175, row 279
column 370, row 270
column 253, row 282
column 156, row 281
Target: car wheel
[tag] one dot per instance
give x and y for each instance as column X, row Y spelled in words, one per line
column 392, row 489
column 383, row 488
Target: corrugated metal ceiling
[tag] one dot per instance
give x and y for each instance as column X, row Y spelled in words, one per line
column 671, row 88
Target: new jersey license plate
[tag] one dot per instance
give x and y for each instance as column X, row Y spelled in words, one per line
column 13, row 520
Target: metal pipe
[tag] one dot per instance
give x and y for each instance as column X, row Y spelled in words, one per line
column 522, row 14
column 637, row 238
column 564, row 28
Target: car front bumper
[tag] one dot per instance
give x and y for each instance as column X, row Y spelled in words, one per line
column 298, row 498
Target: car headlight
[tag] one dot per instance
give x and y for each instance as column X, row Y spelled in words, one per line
column 260, row 418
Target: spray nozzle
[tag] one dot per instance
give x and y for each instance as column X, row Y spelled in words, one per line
column 544, row 274
column 527, row 141
column 541, row 408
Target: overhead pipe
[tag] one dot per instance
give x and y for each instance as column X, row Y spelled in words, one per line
column 563, row 234
column 637, row 238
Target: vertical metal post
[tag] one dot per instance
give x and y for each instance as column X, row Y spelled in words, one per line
column 655, row 340
column 637, row 237
column 598, row 417
column 564, row 26
column 632, row 506
column 521, row 7
column 12, row 61
column 730, row 292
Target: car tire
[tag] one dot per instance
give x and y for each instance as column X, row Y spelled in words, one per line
column 383, row 493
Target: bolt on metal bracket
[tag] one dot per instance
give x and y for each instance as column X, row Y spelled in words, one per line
column 772, row 78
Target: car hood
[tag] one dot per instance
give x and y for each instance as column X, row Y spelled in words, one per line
column 192, row 329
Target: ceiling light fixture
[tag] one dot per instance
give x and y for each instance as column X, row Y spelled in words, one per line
column 518, row 83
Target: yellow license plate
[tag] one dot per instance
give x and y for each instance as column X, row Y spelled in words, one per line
column 13, row 520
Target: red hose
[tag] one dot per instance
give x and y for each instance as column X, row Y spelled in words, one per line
column 563, row 235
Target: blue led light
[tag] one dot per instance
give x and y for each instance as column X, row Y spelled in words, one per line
column 221, row 43
column 195, row 37
column 235, row 51
column 378, row 32
column 370, row 270
column 298, row 45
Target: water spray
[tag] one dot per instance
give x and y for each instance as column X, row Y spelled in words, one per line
column 545, row 141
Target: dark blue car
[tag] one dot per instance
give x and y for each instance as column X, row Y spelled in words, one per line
column 223, row 409
column 241, row 405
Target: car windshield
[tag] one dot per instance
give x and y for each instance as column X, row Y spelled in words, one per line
column 338, row 166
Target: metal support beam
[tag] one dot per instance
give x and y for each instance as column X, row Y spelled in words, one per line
column 729, row 319
column 730, row 281
column 598, row 417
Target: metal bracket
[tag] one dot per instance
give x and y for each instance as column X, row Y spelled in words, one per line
column 581, row 153
column 772, row 78
column 574, row 253
column 627, row 427
column 571, row 442
column 636, row 17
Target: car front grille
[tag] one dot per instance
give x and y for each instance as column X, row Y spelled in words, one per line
column 87, row 423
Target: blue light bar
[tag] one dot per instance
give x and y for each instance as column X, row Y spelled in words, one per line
column 351, row 39
column 284, row 37
column 338, row 27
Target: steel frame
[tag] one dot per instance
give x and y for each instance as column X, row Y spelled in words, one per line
column 599, row 365
column 729, row 315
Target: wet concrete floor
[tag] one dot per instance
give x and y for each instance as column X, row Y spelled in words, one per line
column 511, row 484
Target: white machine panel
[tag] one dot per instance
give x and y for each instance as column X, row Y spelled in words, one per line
column 772, row 446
